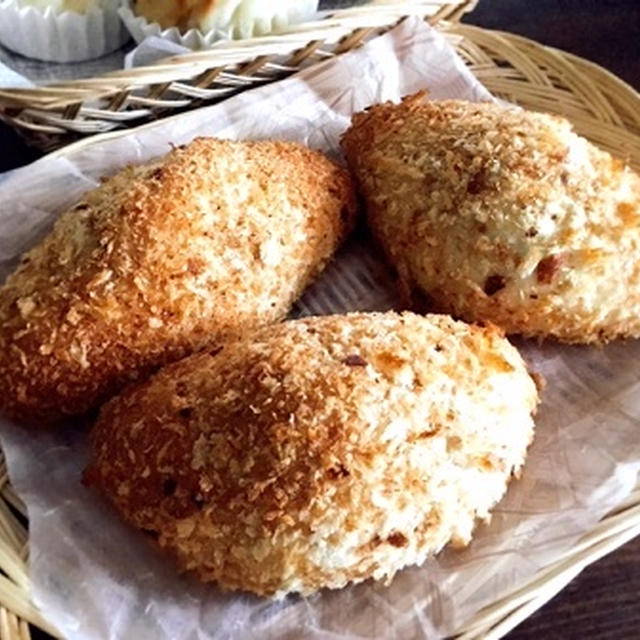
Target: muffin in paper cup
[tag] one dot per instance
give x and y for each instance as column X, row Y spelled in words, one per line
column 61, row 30
column 197, row 24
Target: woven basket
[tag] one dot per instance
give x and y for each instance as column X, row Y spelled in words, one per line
column 56, row 114
column 602, row 108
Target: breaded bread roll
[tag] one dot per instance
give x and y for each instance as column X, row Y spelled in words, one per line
column 161, row 260
column 503, row 215
column 320, row 451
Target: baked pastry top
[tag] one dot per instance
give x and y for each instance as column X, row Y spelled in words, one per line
column 321, row 451
column 236, row 18
column 161, row 260
column 503, row 215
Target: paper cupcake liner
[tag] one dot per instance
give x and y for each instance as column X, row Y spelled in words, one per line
column 64, row 37
column 140, row 28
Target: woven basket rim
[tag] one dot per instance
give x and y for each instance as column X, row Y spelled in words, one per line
column 297, row 33
column 465, row 28
column 456, row 30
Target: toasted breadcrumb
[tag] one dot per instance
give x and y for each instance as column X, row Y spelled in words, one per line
column 162, row 260
column 503, row 215
column 320, row 451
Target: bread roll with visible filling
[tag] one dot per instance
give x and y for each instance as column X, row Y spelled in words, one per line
column 162, row 260
column 320, row 451
column 502, row 215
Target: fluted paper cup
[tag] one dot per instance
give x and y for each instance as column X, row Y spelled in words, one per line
column 61, row 37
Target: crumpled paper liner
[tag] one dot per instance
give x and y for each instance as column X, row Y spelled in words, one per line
column 64, row 37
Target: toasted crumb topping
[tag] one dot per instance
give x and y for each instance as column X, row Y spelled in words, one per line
column 502, row 214
column 275, row 466
column 162, row 260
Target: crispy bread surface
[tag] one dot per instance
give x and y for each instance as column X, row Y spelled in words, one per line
column 162, row 260
column 502, row 215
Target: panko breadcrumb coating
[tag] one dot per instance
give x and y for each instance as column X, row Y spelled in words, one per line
column 502, row 215
column 320, row 451
column 161, row 260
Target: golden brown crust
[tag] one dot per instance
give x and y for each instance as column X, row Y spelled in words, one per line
column 503, row 215
column 205, row 14
column 173, row 13
column 162, row 260
column 319, row 451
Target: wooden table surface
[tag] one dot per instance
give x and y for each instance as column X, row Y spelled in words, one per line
column 604, row 601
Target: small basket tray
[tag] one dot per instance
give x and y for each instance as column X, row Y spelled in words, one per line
column 602, row 108
column 56, row 114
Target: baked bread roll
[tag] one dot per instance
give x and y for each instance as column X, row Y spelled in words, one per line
column 502, row 215
column 320, row 451
column 60, row 6
column 162, row 260
column 235, row 18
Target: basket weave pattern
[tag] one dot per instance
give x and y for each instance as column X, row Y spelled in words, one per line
column 602, row 108
column 55, row 114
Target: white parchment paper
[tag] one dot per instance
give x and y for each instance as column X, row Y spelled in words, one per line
column 94, row 577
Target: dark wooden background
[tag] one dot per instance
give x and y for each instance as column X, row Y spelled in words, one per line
column 604, row 601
